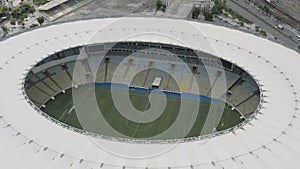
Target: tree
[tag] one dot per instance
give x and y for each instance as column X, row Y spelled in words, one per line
column 3, row 11
column 20, row 21
column 267, row 10
column 159, row 4
column 13, row 21
column 196, row 13
column 208, row 16
column 25, row 7
column 40, row 20
column 256, row 28
column 164, row 6
column 31, row 10
column 263, row 32
column 33, row 25
column 22, row 11
column 41, row 2
column 24, row 16
column 218, row 8
column 278, row 18
column 5, row 29
column 16, row 13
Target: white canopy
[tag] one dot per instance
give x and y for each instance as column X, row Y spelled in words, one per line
column 272, row 140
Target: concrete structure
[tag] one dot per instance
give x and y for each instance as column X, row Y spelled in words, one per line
column 51, row 5
column 270, row 140
column 204, row 5
column 12, row 3
column 184, row 9
column 58, row 8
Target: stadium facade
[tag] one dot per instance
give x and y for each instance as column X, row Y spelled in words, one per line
column 268, row 140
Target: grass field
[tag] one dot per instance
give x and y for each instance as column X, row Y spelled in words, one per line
column 112, row 121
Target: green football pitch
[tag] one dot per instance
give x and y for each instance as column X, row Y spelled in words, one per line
column 106, row 119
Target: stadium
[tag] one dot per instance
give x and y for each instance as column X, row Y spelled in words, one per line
column 138, row 92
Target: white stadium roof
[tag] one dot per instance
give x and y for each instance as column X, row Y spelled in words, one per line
column 272, row 140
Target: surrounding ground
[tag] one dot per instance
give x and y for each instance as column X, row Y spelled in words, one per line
column 62, row 109
column 286, row 37
column 107, row 8
column 180, row 9
column 175, row 8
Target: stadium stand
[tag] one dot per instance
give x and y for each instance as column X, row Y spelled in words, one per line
column 56, row 73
